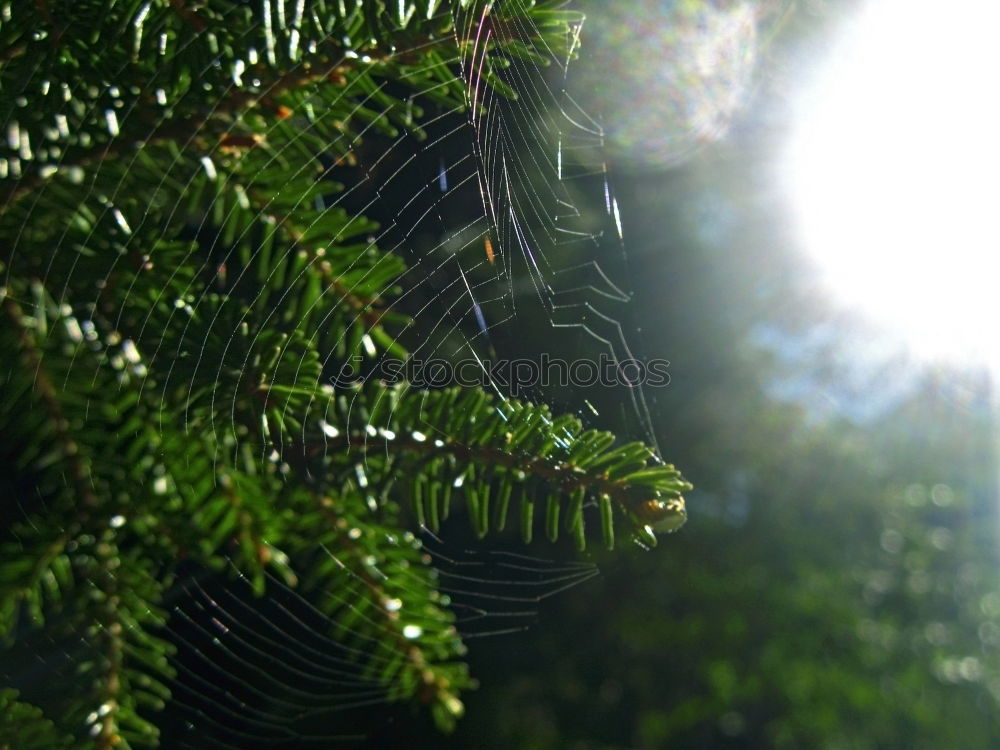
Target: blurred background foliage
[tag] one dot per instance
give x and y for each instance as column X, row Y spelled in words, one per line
column 837, row 585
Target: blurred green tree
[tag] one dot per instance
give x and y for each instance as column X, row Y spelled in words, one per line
column 838, row 585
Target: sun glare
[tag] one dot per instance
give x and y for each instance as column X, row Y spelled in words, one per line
column 894, row 166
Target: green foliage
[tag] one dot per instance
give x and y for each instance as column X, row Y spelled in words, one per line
column 25, row 727
column 840, row 585
column 175, row 303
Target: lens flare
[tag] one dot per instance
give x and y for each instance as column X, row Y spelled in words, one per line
column 668, row 77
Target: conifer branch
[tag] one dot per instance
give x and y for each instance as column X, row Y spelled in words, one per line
column 434, row 686
column 328, row 68
column 111, row 642
column 48, row 394
column 566, row 477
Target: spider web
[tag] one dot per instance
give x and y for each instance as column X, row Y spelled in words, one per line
column 506, row 216
column 491, row 212
column 268, row 673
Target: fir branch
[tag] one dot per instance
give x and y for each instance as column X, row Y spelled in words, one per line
column 369, row 308
column 249, row 354
column 223, row 112
column 110, row 643
column 48, row 394
column 329, row 68
column 435, row 686
column 566, row 477
column 25, row 727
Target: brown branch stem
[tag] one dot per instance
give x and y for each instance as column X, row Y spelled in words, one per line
column 567, row 477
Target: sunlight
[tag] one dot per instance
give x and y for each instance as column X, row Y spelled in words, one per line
column 894, row 165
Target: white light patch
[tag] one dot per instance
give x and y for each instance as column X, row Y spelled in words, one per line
column 893, row 167
column 73, row 329
column 130, row 352
column 209, row 166
column 111, row 119
column 369, row 345
column 120, row 220
column 238, row 69
column 24, row 147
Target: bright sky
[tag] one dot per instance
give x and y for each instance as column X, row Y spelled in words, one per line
column 894, row 169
